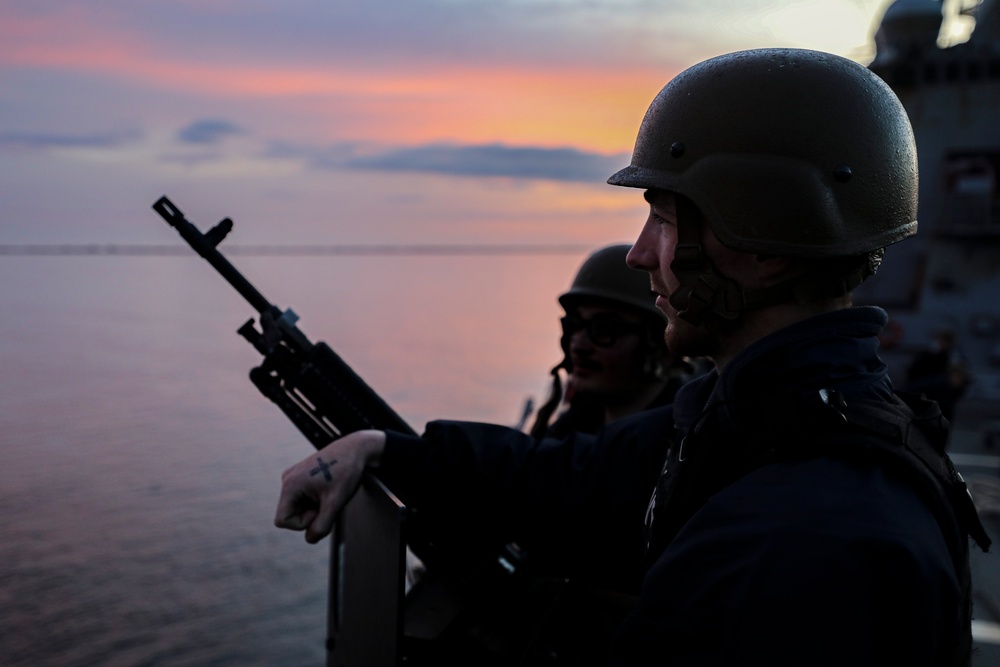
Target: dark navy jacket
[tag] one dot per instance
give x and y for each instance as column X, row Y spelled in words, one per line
column 818, row 561
column 811, row 562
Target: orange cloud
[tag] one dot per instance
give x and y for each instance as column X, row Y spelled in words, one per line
column 546, row 105
column 588, row 109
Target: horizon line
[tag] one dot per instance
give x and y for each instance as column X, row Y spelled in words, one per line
column 296, row 250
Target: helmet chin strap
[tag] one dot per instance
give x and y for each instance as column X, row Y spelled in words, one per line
column 703, row 291
column 706, row 296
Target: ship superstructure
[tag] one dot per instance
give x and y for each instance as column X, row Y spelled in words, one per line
column 947, row 279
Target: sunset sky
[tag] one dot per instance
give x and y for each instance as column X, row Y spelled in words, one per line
column 383, row 121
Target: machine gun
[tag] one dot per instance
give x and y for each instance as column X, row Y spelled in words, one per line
column 312, row 385
column 326, row 400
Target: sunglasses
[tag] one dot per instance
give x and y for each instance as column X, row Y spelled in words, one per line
column 602, row 330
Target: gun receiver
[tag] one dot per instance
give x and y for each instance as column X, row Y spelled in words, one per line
column 312, row 385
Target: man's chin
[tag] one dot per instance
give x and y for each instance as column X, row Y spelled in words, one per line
column 663, row 303
column 585, row 384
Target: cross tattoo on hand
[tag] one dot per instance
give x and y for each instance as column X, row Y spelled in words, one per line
column 322, row 468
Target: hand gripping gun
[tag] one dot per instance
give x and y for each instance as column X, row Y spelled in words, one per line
column 312, row 385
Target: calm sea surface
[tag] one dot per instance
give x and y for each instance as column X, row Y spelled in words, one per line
column 139, row 467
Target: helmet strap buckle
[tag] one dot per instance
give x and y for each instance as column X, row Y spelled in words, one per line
column 707, row 293
column 688, row 258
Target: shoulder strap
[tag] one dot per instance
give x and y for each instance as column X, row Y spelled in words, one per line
column 908, row 436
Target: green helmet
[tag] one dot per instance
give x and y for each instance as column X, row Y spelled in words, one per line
column 604, row 275
column 783, row 151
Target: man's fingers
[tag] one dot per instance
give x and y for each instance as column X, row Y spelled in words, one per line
column 296, row 521
column 322, row 523
column 295, row 511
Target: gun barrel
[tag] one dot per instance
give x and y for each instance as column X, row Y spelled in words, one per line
column 206, row 248
column 312, row 385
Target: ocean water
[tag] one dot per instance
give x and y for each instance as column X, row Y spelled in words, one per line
column 139, row 467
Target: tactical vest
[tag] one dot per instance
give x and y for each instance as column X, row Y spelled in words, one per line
column 907, row 436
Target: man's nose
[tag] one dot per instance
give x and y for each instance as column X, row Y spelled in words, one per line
column 580, row 340
column 640, row 255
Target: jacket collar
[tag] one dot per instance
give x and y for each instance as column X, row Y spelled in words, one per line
column 837, row 350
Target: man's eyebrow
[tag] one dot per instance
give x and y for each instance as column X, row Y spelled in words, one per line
column 648, row 196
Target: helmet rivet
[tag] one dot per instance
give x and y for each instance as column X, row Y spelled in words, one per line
column 676, row 149
column 842, row 174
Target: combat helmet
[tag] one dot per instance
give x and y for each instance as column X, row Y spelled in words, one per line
column 788, row 152
column 605, row 276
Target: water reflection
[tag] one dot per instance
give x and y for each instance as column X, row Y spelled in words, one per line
column 140, row 465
